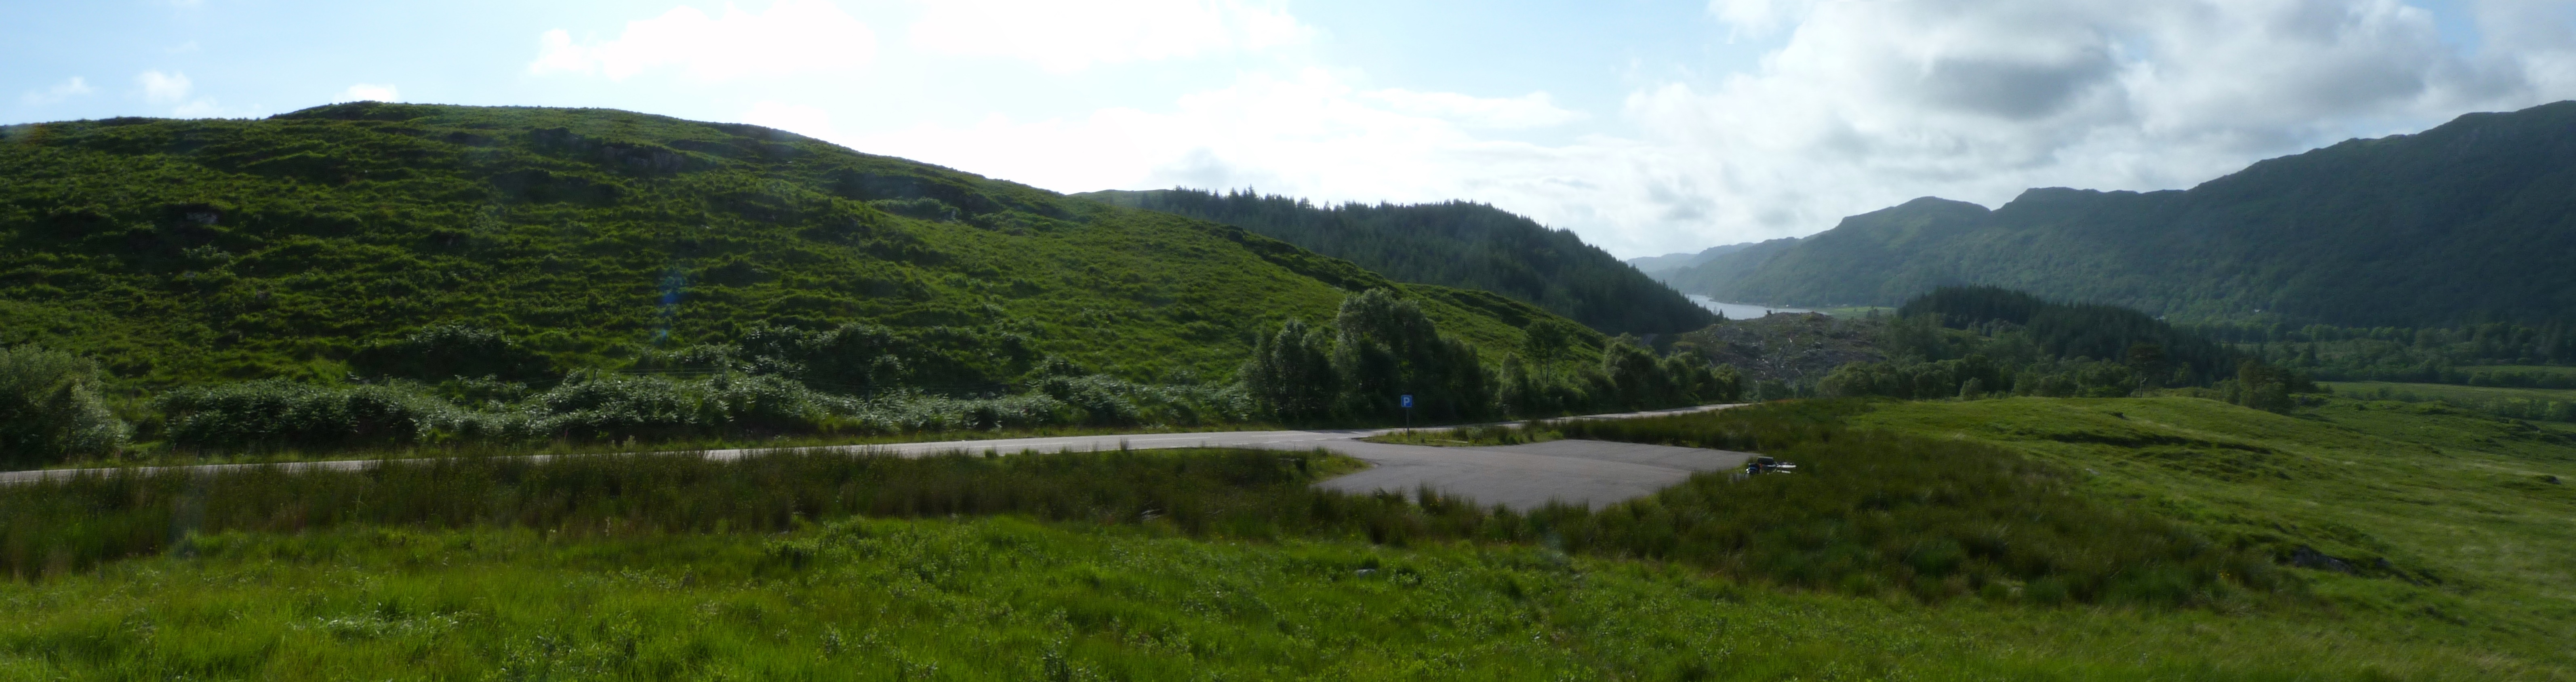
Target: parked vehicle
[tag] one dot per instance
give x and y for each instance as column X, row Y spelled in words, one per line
column 1766, row 465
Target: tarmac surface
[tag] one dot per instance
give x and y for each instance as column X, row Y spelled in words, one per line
column 1579, row 472
column 1586, row 473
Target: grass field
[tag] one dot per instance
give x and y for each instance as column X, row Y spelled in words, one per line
column 2475, row 535
column 2372, row 389
column 1010, row 599
column 2468, row 512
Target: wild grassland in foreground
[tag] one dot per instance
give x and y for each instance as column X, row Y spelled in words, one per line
column 1196, row 565
column 1009, row 599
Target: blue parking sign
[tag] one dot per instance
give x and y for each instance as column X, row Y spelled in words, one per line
column 1408, row 400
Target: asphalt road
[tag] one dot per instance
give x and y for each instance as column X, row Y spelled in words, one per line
column 1581, row 472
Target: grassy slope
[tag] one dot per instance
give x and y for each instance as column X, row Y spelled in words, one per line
column 1008, row 599
column 187, row 251
column 2453, row 500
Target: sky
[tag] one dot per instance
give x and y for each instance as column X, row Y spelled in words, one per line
column 1646, row 126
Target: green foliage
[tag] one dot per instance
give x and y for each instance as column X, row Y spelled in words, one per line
column 1291, row 373
column 864, row 359
column 1455, row 244
column 436, row 242
column 613, row 407
column 1382, row 347
column 1388, row 348
column 2491, row 354
column 452, row 350
column 1632, row 377
column 2265, row 388
column 51, row 410
column 279, row 414
column 2074, row 331
column 1970, row 342
column 2466, row 222
column 1968, row 377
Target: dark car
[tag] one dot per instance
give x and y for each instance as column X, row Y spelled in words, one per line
column 1766, row 465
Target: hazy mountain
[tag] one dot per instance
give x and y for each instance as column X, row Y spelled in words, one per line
column 1656, row 266
column 2474, row 219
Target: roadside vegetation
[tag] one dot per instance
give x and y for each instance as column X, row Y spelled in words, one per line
column 1139, row 564
column 1477, row 435
column 849, row 384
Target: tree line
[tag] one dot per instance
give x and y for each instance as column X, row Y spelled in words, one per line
column 1457, row 244
column 2497, row 353
column 1971, row 342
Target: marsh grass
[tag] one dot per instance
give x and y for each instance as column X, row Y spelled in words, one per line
column 676, row 568
column 1877, row 511
column 2537, row 404
column 2434, row 513
column 1009, row 599
column 1881, row 514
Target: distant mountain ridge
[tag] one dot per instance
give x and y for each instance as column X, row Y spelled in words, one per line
column 1453, row 244
column 1656, row 265
column 2471, row 220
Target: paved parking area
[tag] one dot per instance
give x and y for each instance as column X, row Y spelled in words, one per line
column 1579, row 472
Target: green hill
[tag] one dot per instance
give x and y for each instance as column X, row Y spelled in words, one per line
column 189, row 251
column 1457, row 244
column 2472, row 220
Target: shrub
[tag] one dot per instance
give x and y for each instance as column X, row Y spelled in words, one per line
column 280, row 414
column 611, row 407
column 452, row 350
column 51, row 410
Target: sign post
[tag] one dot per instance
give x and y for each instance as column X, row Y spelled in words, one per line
column 1407, row 400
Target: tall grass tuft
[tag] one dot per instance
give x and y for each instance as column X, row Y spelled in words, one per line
column 1873, row 511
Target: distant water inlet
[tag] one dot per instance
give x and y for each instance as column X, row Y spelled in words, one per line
column 1741, row 311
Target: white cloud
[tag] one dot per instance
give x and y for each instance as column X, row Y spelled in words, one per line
column 364, row 92
column 68, row 89
column 163, row 88
column 791, row 36
column 1866, row 105
column 1063, row 36
column 1535, row 110
column 1759, row 17
column 1309, row 135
